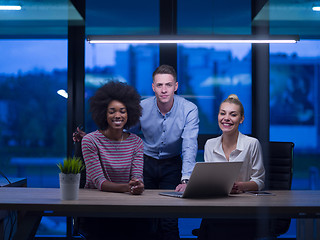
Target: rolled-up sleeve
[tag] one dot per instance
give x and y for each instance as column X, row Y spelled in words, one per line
column 258, row 171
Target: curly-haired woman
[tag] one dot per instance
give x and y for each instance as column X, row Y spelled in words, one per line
column 113, row 157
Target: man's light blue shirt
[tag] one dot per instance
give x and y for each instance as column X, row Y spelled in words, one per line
column 172, row 134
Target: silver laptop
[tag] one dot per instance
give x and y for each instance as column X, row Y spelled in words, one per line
column 209, row 179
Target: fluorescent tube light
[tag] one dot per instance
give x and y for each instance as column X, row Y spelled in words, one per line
column 316, row 8
column 192, row 39
column 10, row 7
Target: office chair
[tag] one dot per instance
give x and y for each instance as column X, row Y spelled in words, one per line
column 279, row 177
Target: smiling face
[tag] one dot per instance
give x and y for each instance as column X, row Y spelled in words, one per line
column 117, row 115
column 229, row 117
column 164, row 86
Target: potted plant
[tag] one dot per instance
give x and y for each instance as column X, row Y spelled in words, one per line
column 69, row 177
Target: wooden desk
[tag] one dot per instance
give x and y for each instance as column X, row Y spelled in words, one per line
column 295, row 204
column 38, row 202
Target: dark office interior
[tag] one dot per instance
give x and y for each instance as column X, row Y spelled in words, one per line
column 49, row 70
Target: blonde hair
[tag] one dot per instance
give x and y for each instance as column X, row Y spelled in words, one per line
column 233, row 98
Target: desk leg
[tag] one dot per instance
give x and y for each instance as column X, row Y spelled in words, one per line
column 28, row 223
column 308, row 229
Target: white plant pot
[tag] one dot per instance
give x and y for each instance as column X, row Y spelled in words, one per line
column 69, row 186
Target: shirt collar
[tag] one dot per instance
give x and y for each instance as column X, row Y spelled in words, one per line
column 171, row 110
column 156, row 105
column 240, row 144
column 218, row 146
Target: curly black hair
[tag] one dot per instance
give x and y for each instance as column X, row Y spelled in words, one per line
column 121, row 92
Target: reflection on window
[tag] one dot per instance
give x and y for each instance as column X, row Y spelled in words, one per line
column 294, row 77
column 209, row 17
column 207, row 74
column 32, row 114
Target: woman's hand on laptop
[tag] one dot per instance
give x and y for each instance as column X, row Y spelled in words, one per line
column 236, row 188
column 181, row 187
column 240, row 187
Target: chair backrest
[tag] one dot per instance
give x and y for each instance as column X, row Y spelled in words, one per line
column 280, row 170
column 280, row 165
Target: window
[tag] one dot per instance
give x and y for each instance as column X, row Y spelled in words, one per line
column 208, row 74
column 32, row 115
column 294, row 106
column 133, row 64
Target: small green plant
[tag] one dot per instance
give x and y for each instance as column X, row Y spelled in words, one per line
column 73, row 165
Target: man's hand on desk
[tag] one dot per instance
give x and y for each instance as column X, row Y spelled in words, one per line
column 181, row 187
column 136, row 186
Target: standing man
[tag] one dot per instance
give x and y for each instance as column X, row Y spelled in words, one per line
column 169, row 126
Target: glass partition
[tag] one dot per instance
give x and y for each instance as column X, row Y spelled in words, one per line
column 124, row 17
column 209, row 17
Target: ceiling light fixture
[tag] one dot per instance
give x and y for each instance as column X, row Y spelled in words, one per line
column 10, row 7
column 193, row 39
column 316, row 8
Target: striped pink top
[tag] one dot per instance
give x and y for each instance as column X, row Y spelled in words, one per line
column 121, row 161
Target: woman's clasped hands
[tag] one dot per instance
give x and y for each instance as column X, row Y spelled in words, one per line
column 136, row 186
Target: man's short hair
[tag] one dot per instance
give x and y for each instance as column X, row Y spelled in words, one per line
column 165, row 69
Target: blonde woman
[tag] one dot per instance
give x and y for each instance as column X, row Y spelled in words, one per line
column 233, row 146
